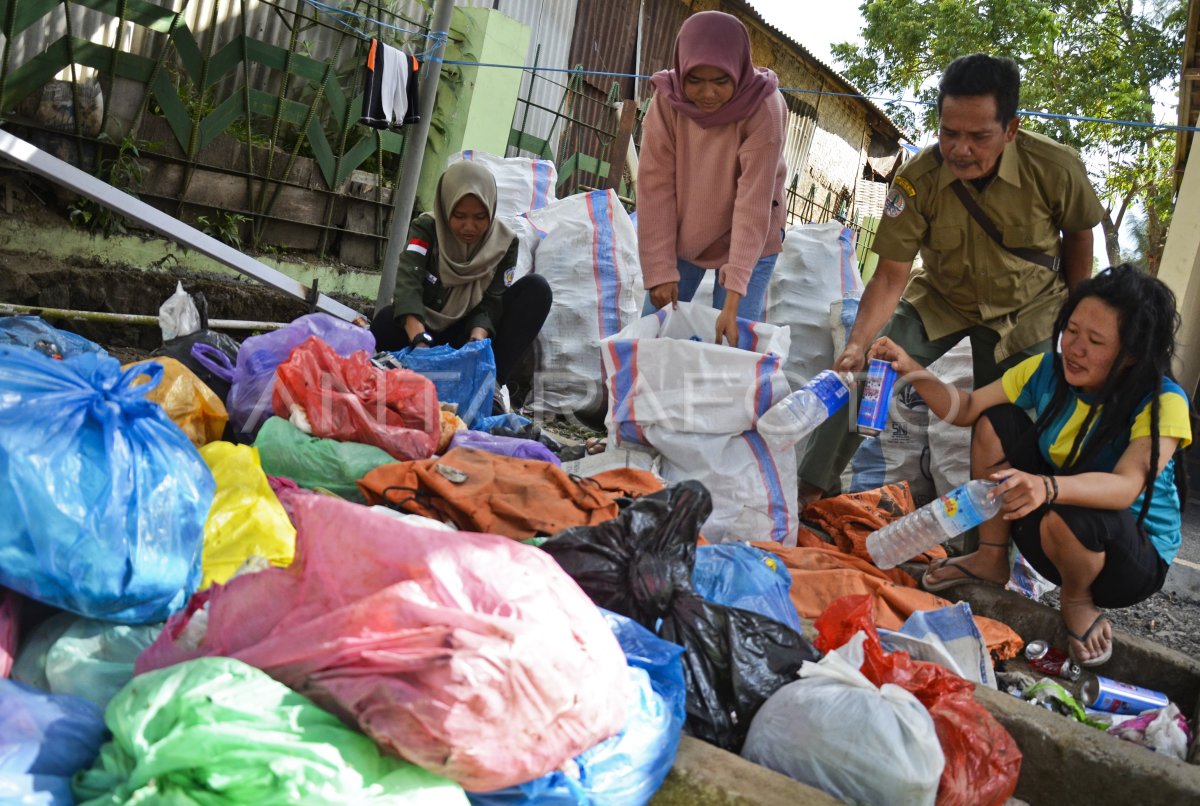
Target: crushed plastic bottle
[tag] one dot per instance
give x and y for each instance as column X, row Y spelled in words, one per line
column 791, row 419
column 963, row 508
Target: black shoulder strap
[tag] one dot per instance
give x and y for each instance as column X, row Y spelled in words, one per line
column 981, row 218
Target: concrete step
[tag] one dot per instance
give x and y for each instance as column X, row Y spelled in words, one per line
column 706, row 775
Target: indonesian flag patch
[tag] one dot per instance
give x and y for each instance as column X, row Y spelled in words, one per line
column 418, row 246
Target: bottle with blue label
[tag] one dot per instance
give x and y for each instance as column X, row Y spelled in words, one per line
column 962, row 508
column 791, row 419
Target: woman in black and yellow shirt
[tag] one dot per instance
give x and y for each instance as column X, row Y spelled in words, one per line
column 455, row 279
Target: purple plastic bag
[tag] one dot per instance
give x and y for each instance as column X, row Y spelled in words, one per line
column 249, row 402
column 504, row 446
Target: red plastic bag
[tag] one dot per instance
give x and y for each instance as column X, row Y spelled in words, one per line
column 351, row 400
column 982, row 760
column 471, row 655
column 8, row 630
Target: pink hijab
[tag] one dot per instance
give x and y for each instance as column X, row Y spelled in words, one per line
column 715, row 39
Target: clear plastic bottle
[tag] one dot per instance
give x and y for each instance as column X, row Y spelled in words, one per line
column 791, row 419
column 955, row 512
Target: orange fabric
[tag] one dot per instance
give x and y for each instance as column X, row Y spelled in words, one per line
column 851, row 517
column 371, row 55
column 822, row 575
column 517, row 498
column 627, row 481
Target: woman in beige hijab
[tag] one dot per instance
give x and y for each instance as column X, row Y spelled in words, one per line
column 455, row 279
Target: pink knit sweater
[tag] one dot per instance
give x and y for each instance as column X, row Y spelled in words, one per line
column 713, row 197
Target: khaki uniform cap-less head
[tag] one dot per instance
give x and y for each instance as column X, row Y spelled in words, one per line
column 1041, row 189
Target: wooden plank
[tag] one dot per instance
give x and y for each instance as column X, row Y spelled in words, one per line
column 618, row 150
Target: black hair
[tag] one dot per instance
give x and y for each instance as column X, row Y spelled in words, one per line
column 981, row 74
column 1147, row 322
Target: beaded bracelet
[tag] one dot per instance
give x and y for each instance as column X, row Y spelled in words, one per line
column 1046, row 484
column 1054, row 482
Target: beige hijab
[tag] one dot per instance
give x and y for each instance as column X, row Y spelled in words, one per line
column 465, row 270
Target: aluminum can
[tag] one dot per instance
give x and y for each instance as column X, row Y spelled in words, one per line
column 1105, row 694
column 1049, row 660
column 876, row 397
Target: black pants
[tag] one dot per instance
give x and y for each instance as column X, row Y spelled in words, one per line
column 1133, row 570
column 526, row 306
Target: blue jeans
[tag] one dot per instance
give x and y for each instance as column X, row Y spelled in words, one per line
column 750, row 307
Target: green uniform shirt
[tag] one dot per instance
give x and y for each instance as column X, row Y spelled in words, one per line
column 1040, row 190
column 419, row 286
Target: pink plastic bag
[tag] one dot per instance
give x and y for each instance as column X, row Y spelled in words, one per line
column 471, row 655
column 8, row 630
column 351, row 400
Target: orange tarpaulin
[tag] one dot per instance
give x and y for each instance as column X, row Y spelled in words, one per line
column 479, row 491
column 822, row 575
column 851, row 517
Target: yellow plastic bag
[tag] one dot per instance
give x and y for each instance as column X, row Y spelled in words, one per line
column 188, row 401
column 246, row 519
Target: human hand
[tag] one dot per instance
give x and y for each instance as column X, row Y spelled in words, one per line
column 727, row 320
column 1022, row 493
column 887, row 350
column 478, row 334
column 852, row 359
column 664, row 293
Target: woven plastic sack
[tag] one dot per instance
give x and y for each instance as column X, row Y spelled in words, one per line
column 104, row 498
column 186, row 399
column 215, row 730
column 44, row 740
column 249, row 401
column 471, row 655
column 627, row 768
column 313, row 462
column 246, row 519
column 83, row 657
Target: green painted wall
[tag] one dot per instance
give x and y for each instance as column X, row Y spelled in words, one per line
column 475, row 105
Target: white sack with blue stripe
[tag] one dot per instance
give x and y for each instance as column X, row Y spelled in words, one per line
column 588, row 253
column 664, row 370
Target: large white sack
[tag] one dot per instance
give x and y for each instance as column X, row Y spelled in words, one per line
column 664, row 370
column 753, row 487
column 522, row 184
column 588, row 254
column 816, row 269
column 949, row 444
column 834, row 730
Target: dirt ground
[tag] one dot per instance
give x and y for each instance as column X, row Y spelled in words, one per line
column 94, row 286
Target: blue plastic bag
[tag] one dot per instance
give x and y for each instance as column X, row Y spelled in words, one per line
column 249, row 401
column 104, row 499
column 44, row 740
column 741, row 576
column 38, row 334
column 465, row 376
column 628, row 768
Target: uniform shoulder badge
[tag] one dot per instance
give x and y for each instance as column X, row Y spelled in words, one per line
column 893, row 205
column 906, row 186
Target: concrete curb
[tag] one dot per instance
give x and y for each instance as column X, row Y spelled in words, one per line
column 1183, row 579
column 705, row 775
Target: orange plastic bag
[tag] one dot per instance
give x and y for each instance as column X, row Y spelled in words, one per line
column 983, row 762
column 188, row 401
column 351, row 400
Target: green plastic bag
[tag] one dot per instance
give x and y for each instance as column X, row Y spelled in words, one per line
column 217, row 731
column 313, row 462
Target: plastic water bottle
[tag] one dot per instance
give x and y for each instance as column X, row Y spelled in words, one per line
column 791, row 419
column 941, row 519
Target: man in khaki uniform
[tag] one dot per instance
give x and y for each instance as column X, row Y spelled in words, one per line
column 1003, row 289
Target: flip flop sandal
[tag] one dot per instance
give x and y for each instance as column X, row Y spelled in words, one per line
column 967, row 574
column 1082, row 639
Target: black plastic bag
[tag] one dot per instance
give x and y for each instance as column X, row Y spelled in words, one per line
column 211, row 355
column 640, row 565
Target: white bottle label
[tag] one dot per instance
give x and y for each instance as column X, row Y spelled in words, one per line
column 956, row 512
column 829, row 389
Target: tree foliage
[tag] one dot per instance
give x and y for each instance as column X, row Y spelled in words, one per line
column 1078, row 58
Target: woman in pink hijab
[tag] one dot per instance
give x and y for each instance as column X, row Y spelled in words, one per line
column 711, row 174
